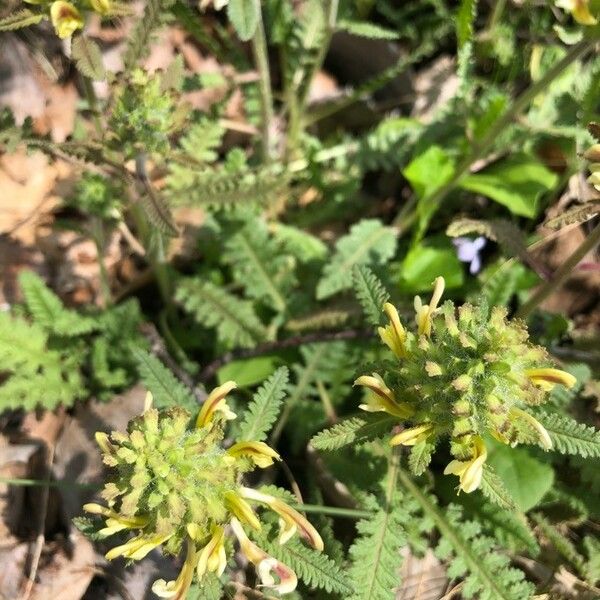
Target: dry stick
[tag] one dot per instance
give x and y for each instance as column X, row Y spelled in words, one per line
column 292, row 342
column 562, row 274
column 40, row 539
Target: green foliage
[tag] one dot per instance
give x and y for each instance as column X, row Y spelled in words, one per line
column 244, row 16
column 37, row 375
column 259, row 263
column 48, row 311
column 234, row 319
column 167, row 391
column 368, row 243
column 19, row 19
column 367, row 30
column 464, row 21
column 370, row 292
column 315, row 568
column 88, row 58
column 376, row 557
column 264, row 408
column 352, row 431
column 570, row 437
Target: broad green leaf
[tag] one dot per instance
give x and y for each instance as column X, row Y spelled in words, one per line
column 526, row 479
column 516, row 182
column 244, row 15
column 424, row 263
column 249, row 371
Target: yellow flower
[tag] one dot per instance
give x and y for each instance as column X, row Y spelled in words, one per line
column 101, row 6
column 580, row 10
column 178, row 589
column 544, row 437
column 547, row 378
column 382, row 398
column 412, row 436
column 393, row 335
column 264, row 563
column 65, row 18
column 138, row 547
column 291, row 520
column 424, row 313
column 212, row 557
column 216, row 402
column 261, row 454
column 114, row 521
column 242, row 510
column 470, row 472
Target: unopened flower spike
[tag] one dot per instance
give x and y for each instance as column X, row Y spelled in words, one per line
column 176, row 487
column 463, row 375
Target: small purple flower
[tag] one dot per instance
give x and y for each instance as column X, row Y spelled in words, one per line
column 468, row 251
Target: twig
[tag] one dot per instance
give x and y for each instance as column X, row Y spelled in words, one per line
column 40, row 539
column 292, row 342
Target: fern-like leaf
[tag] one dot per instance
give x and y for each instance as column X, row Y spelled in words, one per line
column 370, row 292
column 570, row 437
column 22, row 18
column 368, row 243
column 202, row 140
column 353, row 431
column 167, row 391
column 35, row 374
column 88, row 58
column 493, row 489
column 420, row 457
column 376, row 556
column 48, row 311
column 265, row 407
column 258, row 263
column 576, row 214
column 234, row 319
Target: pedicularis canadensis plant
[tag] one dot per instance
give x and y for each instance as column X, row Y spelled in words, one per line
column 463, row 374
column 175, row 486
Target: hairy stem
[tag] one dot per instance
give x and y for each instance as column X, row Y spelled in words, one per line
column 334, row 511
column 261, row 59
column 561, row 275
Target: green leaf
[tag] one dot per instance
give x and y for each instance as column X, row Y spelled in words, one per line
column 88, row 58
column 464, row 21
column 22, row 18
column 424, row 263
column 493, row 489
column 367, row 30
column 166, row 389
column 248, row 371
column 525, row 478
column 302, row 245
column 370, row 292
column 234, row 319
column 376, row 557
column 244, row 15
column 368, row 243
column 264, row 408
column 516, row 183
column 354, row 430
column 48, row 311
column 316, row 569
column 570, row 437
column 420, row 457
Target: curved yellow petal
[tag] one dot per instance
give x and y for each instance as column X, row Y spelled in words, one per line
column 382, row 398
column 547, row 378
column 138, row 547
column 543, row 435
column 212, row 557
column 242, row 510
column 178, row 589
column 394, row 334
column 262, row 455
column 412, row 435
column 291, row 518
column 65, row 18
column 216, row 402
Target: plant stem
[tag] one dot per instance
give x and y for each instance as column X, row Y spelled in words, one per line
column 334, row 511
column 562, row 273
column 90, row 95
column 261, row 59
column 480, row 149
column 54, row 484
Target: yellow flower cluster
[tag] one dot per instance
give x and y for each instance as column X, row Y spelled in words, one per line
column 462, row 378
column 178, row 488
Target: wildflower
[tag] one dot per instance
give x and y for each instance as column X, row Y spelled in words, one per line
column 580, row 9
column 469, row 471
column 463, row 374
column 468, row 251
column 65, row 18
column 101, row 6
column 176, row 487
